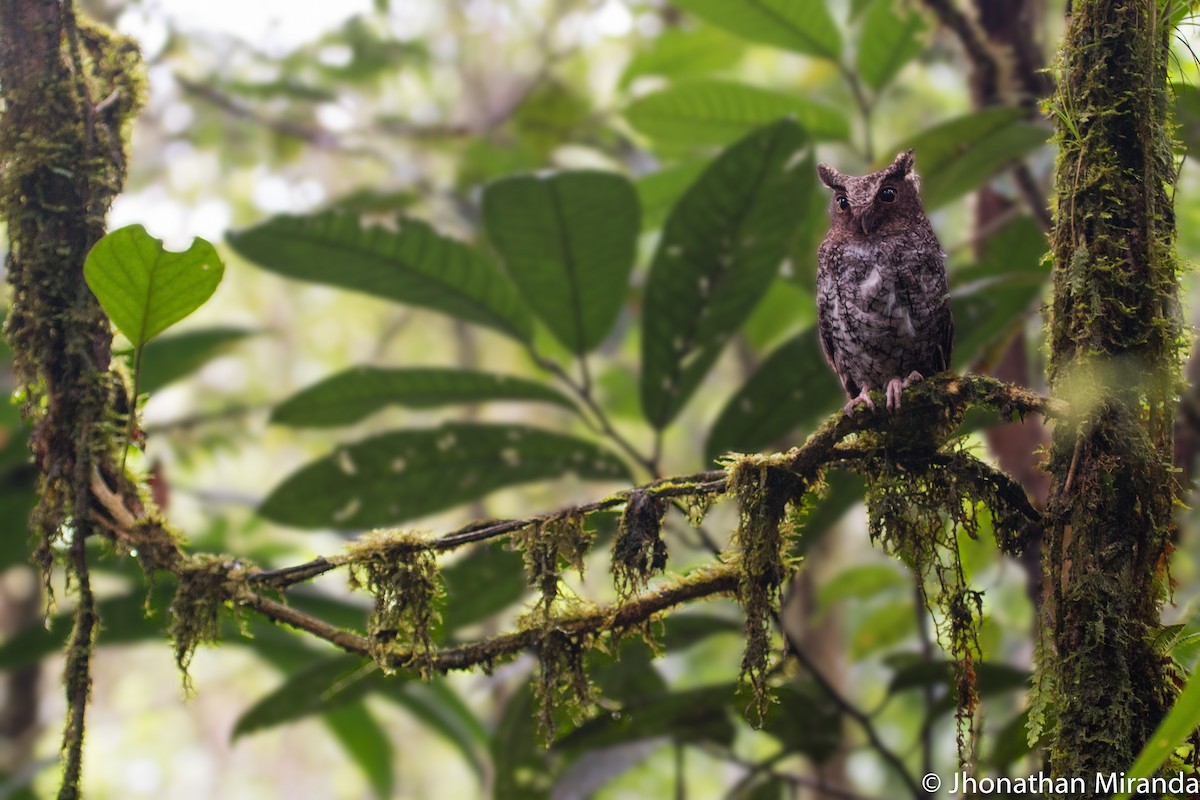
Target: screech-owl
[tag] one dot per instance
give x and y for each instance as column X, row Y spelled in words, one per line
column 883, row 312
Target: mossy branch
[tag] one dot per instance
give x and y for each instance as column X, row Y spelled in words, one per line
column 933, row 405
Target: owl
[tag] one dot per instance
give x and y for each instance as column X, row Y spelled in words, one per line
column 883, row 312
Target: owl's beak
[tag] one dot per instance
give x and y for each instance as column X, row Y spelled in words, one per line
column 864, row 221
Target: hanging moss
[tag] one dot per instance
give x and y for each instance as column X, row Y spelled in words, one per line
column 403, row 577
column 207, row 584
column 561, row 686
column 763, row 539
column 639, row 551
column 548, row 544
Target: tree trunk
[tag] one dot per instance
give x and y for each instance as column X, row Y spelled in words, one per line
column 1115, row 338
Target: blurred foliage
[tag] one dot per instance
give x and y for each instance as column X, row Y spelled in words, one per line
column 613, row 208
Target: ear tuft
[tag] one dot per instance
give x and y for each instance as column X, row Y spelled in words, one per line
column 904, row 162
column 831, row 177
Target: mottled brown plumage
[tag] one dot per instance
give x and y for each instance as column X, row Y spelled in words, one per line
column 882, row 305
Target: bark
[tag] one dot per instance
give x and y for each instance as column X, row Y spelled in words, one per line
column 68, row 88
column 1115, row 339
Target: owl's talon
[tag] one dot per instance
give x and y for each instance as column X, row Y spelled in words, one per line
column 863, row 399
column 912, row 378
column 894, row 388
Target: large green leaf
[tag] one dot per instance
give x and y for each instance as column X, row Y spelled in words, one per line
column 1176, row 727
column 705, row 112
column 144, row 288
column 518, row 759
column 893, row 39
column 802, row 26
column 482, row 583
column 720, row 249
column 659, row 191
column 331, row 683
column 992, row 297
column 349, row 396
column 569, row 241
column 366, row 743
column 692, row 715
column 792, row 389
column 407, row 474
column 684, row 53
column 170, row 358
column 956, row 157
column 820, row 735
column 411, row 264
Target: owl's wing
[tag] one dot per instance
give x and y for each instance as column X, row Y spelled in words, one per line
column 825, row 313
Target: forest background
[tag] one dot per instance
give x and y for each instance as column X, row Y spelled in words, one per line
column 427, row 109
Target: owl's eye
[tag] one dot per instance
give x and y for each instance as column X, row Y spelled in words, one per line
column 887, row 194
column 843, row 203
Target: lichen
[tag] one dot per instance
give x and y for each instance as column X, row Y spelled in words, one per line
column 402, row 575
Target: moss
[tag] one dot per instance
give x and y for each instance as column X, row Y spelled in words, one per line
column 549, row 544
column 763, row 538
column 402, row 574
column 561, row 686
column 207, row 584
column 639, row 551
column 1116, row 340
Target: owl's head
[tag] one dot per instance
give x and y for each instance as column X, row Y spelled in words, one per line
column 875, row 203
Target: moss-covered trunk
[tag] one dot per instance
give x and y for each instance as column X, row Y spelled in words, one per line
column 68, row 88
column 1115, row 338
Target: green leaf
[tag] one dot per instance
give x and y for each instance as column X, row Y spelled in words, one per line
column 883, row 628
column 684, row 630
column 956, row 157
column 144, row 288
column 1010, row 743
column 720, row 250
column 820, row 735
column 352, row 395
column 694, row 715
column 413, row 264
column 407, row 474
column 659, row 191
column 893, row 40
column 169, row 358
column 1176, row 727
column 684, row 53
column 791, row 390
column 518, row 760
column 706, row 112
column 802, row 26
column 318, row 687
column 551, row 114
column 990, row 298
column 569, row 241
column 482, row 583
column 440, row 710
column 629, row 675
column 860, row 583
column 367, row 744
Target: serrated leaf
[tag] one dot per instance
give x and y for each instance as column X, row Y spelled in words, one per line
column 708, row 111
column 720, row 249
column 893, row 39
column 169, row 358
column 802, row 26
column 145, row 288
column 366, row 743
column 684, row 53
column 957, row 156
column 408, row 474
column 791, row 390
column 356, row 393
column 413, row 264
column 569, row 241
